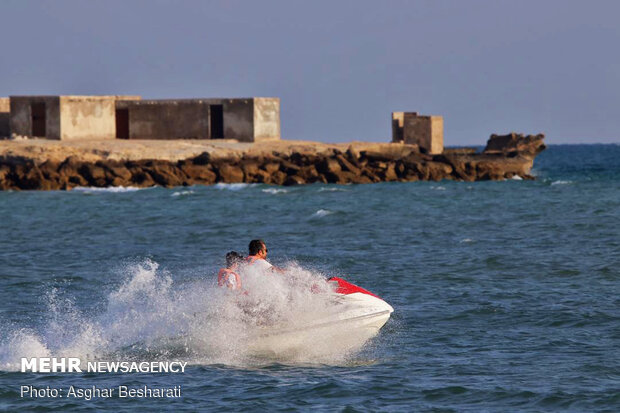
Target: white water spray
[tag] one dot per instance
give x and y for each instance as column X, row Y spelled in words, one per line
column 148, row 317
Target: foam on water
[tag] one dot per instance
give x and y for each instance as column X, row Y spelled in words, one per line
column 148, row 317
column 232, row 187
column 561, row 182
column 322, row 213
column 114, row 189
column 331, row 189
column 182, row 193
column 275, row 191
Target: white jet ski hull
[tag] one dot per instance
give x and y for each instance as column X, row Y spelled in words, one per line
column 358, row 318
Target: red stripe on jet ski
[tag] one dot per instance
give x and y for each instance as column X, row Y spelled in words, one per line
column 345, row 287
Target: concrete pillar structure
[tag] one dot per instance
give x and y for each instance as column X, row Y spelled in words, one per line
column 5, row 117
column 424, row 131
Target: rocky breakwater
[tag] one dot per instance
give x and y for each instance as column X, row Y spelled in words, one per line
column 504, row 157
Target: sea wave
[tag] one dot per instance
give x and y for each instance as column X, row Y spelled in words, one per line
column 561, row 182
column 182, row 193
column 112, row 189
column 275, row 191
column 322, row 213
column 232, row 187
column 332, row 189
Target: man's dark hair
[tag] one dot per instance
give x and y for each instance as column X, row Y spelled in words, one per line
column 256, row 246
column 232, row 258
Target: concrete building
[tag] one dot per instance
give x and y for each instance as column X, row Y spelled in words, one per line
column 424, row 131
column 243, row 119
column 64, row 117
column 129, row 117
column 5, row 116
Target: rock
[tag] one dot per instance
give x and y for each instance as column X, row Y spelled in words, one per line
column 117, row 181
column 335, row 177
column 389, row 172
column 69, row 167
column 30, row 176
column 262, row 177
column 166, row 174
column 458, row 163
column 307, row 160
column 250, row 168
column 348, row 166
column 278, row 178
column 459, row 151
column 289, row 168
column 198, row 173
column 362, row 179
column 526, row 145
column 118, row 170
column 75, row 180
column 486, row 170
column 271, row 167
column 309, row 173
column 353, row 155
column 438, row 170
column 142, row 178
column 294, row 180
column 328, row 166
column 229, row 173
column 94, row 174
column 52, row 177
column 391, row 153
column 371, row 175
column 202, row 159
column 5, row 171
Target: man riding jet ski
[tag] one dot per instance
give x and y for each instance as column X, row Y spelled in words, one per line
column 345, row 312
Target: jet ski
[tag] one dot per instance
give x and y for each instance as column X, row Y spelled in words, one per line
column 355, row 316
column 347, row 317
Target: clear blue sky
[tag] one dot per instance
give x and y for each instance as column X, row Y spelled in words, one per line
column 340, row 67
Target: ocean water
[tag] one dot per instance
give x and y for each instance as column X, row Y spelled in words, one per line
column 506, row 294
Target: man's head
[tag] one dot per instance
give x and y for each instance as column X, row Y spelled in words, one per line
column 258, row 248
column 232, row 258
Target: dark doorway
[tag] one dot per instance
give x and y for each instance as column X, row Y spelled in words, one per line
column 37, row 111
column 122, row 123
column 217, row 121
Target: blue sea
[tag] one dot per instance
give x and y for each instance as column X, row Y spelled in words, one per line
column 506, row 295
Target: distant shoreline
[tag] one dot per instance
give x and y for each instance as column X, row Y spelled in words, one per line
column 51, row 165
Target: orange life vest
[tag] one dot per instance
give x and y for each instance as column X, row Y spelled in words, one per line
column 224, row 277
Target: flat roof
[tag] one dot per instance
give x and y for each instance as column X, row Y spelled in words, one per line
column 75, row 96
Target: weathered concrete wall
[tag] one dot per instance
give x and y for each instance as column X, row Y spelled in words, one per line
column 243, row 119
column 168, row 119
column 238, row 119
column 424, row 131
column 397, row 126
column 5, row 117
column 436, row 135
column 127, row 97
column 21, row 116
column 266, row 119
column 87, row 117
